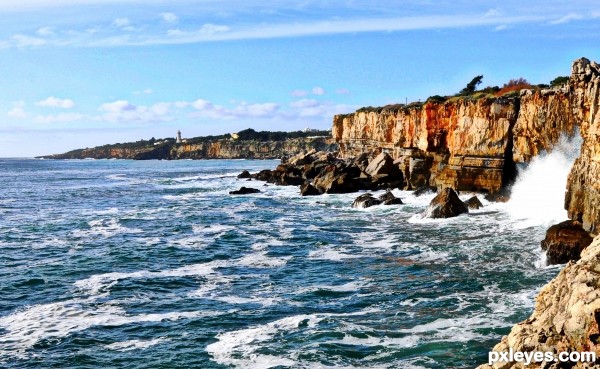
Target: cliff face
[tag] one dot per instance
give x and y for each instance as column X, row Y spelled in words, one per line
column 218, row 149
column 464, row 144
column 582, row 200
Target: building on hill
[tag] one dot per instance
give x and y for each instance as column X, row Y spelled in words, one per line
column 178, row 139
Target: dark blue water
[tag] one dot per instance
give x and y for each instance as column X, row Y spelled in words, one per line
column 112, row 264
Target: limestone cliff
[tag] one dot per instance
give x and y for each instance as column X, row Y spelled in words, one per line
column 214, row 149
column 583, row 187
column 461, row 143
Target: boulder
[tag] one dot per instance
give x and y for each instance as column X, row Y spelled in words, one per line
column 446, row 205
column 263, row 175
column 423, row 190
column 388, row 198
column 244, row 174
column 336, row 179
column 365, row 200
column 473, row 203
column 308, row 190
column 382, row 164
column 565, row 241
column 244, row 191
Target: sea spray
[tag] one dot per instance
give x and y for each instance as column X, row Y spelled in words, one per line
column 537, row 197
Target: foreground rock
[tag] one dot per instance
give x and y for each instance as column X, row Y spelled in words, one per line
column 308, row 190
column 244, row 191
column 244, row 174
column 473, row 203
column 565, row 241
column 446, row 205
column 388, row 198
column 566, row 316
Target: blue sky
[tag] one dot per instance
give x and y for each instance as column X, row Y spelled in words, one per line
column 81, row 73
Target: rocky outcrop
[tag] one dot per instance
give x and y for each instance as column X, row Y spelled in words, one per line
column 566, row 316
column 582, row 200
column 365, row 201
column 565, row 241
column 467, row 144
column 446, row 204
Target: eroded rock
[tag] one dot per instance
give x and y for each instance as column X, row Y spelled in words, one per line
column 565, row 241
column 446, row 204
column 244, row 191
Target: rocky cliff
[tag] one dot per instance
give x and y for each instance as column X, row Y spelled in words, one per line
column 464, row 143
column 567, row 311
column 583, row 187
column 214, row 149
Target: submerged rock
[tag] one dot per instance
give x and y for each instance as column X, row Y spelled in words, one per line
column 365, row 200
column 446, row 205
column 244, row 191
column 473, row 203
column 565, row 241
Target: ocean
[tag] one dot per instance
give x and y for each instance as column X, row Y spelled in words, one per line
column 152, row 264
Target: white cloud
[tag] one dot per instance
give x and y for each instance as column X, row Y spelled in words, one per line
column 304, row 103
column 55, row 102
column 299, row 93
column 46, row 31
column 318, row 91
column 501, row 27
column 122, row 111
column 169, row 17
column 18, row 110
column 121, row 22
column 494, row 12
column 255, row 110
column 342, row 91
column 22, row 41
column 567, row 18
column 147, row 91
column 310, row 108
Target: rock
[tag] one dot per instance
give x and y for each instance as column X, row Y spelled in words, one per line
column 382, row 164
column 388, row 198
column 302, row 158
column 244, row 174
column 473, row 203
column 365, row 200
column 446, row 205
column 565, row 241
column 263, row 175
column 244, row 191
column 422, row 191
column 566, row 316
column 308, row 190
column 501, row 196
column 336, row 179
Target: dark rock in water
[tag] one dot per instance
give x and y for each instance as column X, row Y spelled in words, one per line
column 244, row 191
column 308, row 190
column 446, row 205
column 422, row 191
column 501, row 196
column 388, row 198
column 365, row 200
column 263, row 175
column 473, row 203
column 244, row 174
column 394, row 201
column 565, row 241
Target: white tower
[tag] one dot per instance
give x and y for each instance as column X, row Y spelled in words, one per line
column 178, row 140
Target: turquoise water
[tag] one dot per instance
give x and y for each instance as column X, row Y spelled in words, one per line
column 112, row 264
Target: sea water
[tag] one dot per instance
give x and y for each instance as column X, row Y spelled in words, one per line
column 152, row 264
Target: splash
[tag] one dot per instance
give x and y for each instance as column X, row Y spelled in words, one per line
column 538, row 194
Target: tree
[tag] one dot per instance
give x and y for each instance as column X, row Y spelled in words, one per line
column 471, row 86
column 559, row 81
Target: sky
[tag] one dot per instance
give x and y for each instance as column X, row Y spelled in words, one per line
column 82, row 73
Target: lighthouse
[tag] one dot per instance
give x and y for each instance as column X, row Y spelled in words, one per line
column 178, row 139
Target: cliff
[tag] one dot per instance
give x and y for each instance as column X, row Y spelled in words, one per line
column 213, row 149
column 583, row 187
column 567, row 311
column 468, row 144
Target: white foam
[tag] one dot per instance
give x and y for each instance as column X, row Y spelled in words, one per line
column 100, row 283
column 26, row 327
column 135, row 344
column 261, row 260
column 104, row 228
column 264, row 301
column 331, row 254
